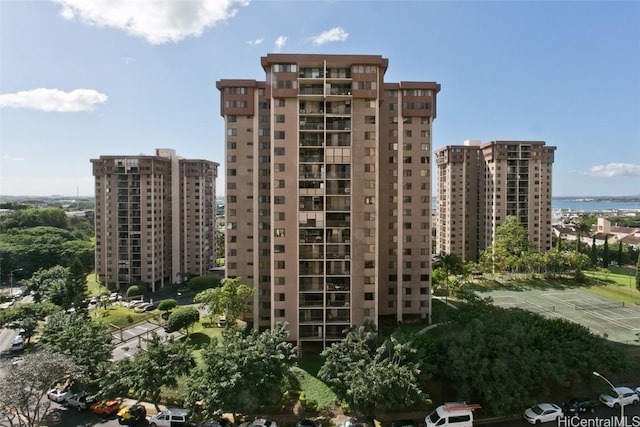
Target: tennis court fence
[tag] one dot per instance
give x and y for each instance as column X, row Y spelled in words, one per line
column 599, row 306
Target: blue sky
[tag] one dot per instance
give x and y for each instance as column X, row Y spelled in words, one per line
column 84, row 78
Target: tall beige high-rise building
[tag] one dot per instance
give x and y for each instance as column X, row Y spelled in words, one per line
column 328, row 194
column 154, row 218
column 480, row 185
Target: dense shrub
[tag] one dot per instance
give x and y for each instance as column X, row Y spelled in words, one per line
column 199, row 283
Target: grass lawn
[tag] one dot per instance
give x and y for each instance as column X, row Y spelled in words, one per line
column 93, row 287
column 120, row 316
column 314, row 389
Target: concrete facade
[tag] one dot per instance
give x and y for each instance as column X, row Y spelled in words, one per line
column 328, row 193
column 480, row 185
column 154, row 218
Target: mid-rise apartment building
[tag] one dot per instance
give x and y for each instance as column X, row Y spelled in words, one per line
column 154, row 218
column 328, row 193
column 480, row 185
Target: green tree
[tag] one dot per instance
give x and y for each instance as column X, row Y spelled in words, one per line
column 26, row 316
column 594, row 251
column 505, row 358
column 638, row 274
column 369, row 377
column 229, row 300
column 199, row 283
column 74, row 335
column 134, row 291
column 182, row 318
column 583, row 227
column 246, row 370
column 23, row 390
column 159, row 365
column 605, row 252
column 167, row 304
column 59, row 285
column 510, row 244
column 450, row 264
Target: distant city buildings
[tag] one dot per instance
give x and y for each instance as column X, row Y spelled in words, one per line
column 154, row 218
column 328, row 194
column 480, row 185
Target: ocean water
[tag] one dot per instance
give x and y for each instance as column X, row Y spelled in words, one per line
column 588, row 205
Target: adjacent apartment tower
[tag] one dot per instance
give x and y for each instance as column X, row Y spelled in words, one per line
column 154, row 218
column 328, row 194
column 479, row 185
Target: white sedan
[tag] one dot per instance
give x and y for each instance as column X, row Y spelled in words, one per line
column 58, row 395
column 619, row 396
column 543, row 412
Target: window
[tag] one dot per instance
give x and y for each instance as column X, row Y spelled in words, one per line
column 370, row 120
column 280, row 118
column 278, row 134
column 368, row 296
column 279, row 249
column 231, row 145
column 278, row 232
column 278, row 167
column 278, row 200
column 278, row 151
column 285, row 68
column 280, row 265
column 279, row 102
column 232, row 132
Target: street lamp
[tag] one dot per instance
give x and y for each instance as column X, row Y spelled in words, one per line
column 622, row 423
column 11, row 279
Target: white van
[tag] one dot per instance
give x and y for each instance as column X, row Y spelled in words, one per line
column 451, row 414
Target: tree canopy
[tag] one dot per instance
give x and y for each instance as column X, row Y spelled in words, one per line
column 506, row 357
column 229, row 300
column 74, row 335
column 144, row 375
column 24, row 388
column 248, row 369
column 182, row 318
column 369, row 377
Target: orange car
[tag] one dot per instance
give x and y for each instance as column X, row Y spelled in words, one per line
column 105, row 407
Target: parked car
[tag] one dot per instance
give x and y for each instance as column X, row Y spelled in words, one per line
column 358, row 422
column 619, row 396
column 141, row 307
column 404, row 423
column 543, row 412
column 131, row 415
column 171, row 418
column 579, row 405
column 452, row 414
column 259, row 422
column 152, row 306
column 79, row 401
column 306, row 423
column 105, row 408
column 215, row 422
column 58, row 394
column 18, row 343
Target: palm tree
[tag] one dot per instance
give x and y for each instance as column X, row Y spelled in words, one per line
column 583, row 228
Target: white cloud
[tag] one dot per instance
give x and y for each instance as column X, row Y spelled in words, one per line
column 53, row 100
column 255, row 42
column 614, row 169
column 336, row 34
column 12, row 159
column 128, row 60
column 156, row 21
column 280, row 42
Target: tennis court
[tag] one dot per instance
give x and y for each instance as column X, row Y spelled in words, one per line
column 618, row 321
